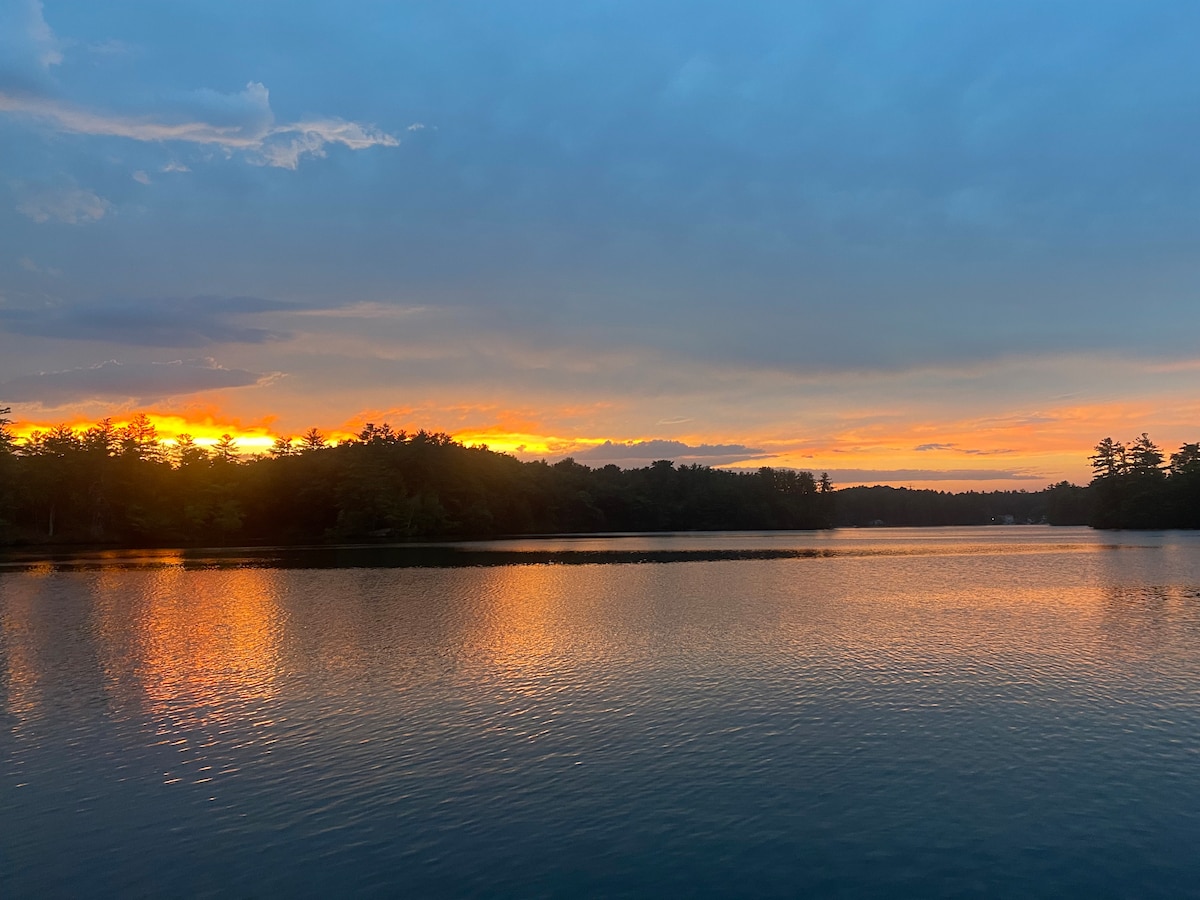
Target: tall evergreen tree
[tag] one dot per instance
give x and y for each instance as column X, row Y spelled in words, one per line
column 1109, row 460
column 1144, row 458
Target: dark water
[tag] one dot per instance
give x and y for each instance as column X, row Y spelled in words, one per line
column 1005, row 712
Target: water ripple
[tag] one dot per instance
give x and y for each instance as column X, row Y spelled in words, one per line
column 777, row 717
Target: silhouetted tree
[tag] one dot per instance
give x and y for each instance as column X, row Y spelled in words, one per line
column 225, row 450
column 283, row 447
column 6, row 436
column 1068, row 504
column 1109, row 460
column 312, row 440
column 187, row 452
column 1144, row 458
column 121, row 485
column 8, row 476
column 139, row 439
column 1186, row 461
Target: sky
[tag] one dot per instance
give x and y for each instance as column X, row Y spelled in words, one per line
column 939, row 244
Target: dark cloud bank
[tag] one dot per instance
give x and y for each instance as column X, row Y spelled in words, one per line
column 173, row 322
column 637, row 454
column 115, row 380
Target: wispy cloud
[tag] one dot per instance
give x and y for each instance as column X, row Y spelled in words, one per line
column 30, row 265
column 955, row 448
column 1000, row 451
column 903, row 476
column 365, row 310
column 28, row 46
column 239, row 122
column 70, row 205
column 284, row 145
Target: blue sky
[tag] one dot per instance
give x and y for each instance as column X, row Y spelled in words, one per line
column 808, row 233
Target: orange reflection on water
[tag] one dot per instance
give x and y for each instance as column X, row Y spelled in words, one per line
column 207, row 645
column 22, row 677
column 531, row 626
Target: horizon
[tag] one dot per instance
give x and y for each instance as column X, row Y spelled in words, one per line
column 256, row 441
column 915, row 243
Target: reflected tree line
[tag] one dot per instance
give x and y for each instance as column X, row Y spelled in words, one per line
column 108, row 484
column 124, row 485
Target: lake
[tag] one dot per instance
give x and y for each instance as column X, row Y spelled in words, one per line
column 1002, row 712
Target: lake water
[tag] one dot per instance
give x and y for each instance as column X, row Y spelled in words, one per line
column 1008, row 712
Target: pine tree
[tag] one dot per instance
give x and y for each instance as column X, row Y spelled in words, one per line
column 1109, row 459
column 1144, row 457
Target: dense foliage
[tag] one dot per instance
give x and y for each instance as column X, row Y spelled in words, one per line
column 1135, row 486
column 122, row 485
column 1060, row 504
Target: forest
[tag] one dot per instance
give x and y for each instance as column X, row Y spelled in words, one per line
column 1059, row 504
column 1135, row 485
column 122, row 486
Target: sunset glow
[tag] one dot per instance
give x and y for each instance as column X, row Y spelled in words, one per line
column 863, row 259
column 1024, row 451
column 605, row 447
column 206, row 432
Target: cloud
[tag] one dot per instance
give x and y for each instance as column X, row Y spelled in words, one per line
column 921, row 448
column 900, row 476
column 140, row 177
column 636, row 454
column 373, row 312
column 133, row 381
column 172, row 322
column 30, row 265
column 71, row 205
column 238, row 122
column 284, row 146
column 997, row 452
column 28, row 47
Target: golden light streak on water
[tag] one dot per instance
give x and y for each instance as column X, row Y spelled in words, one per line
column 22, row 678
column 204, row 648
column 518, row 633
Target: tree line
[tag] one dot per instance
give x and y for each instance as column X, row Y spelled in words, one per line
column 1135, row 485
column 1059, row 504
column 122, row 485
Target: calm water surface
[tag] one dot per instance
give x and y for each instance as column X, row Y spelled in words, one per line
column 929, row 713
